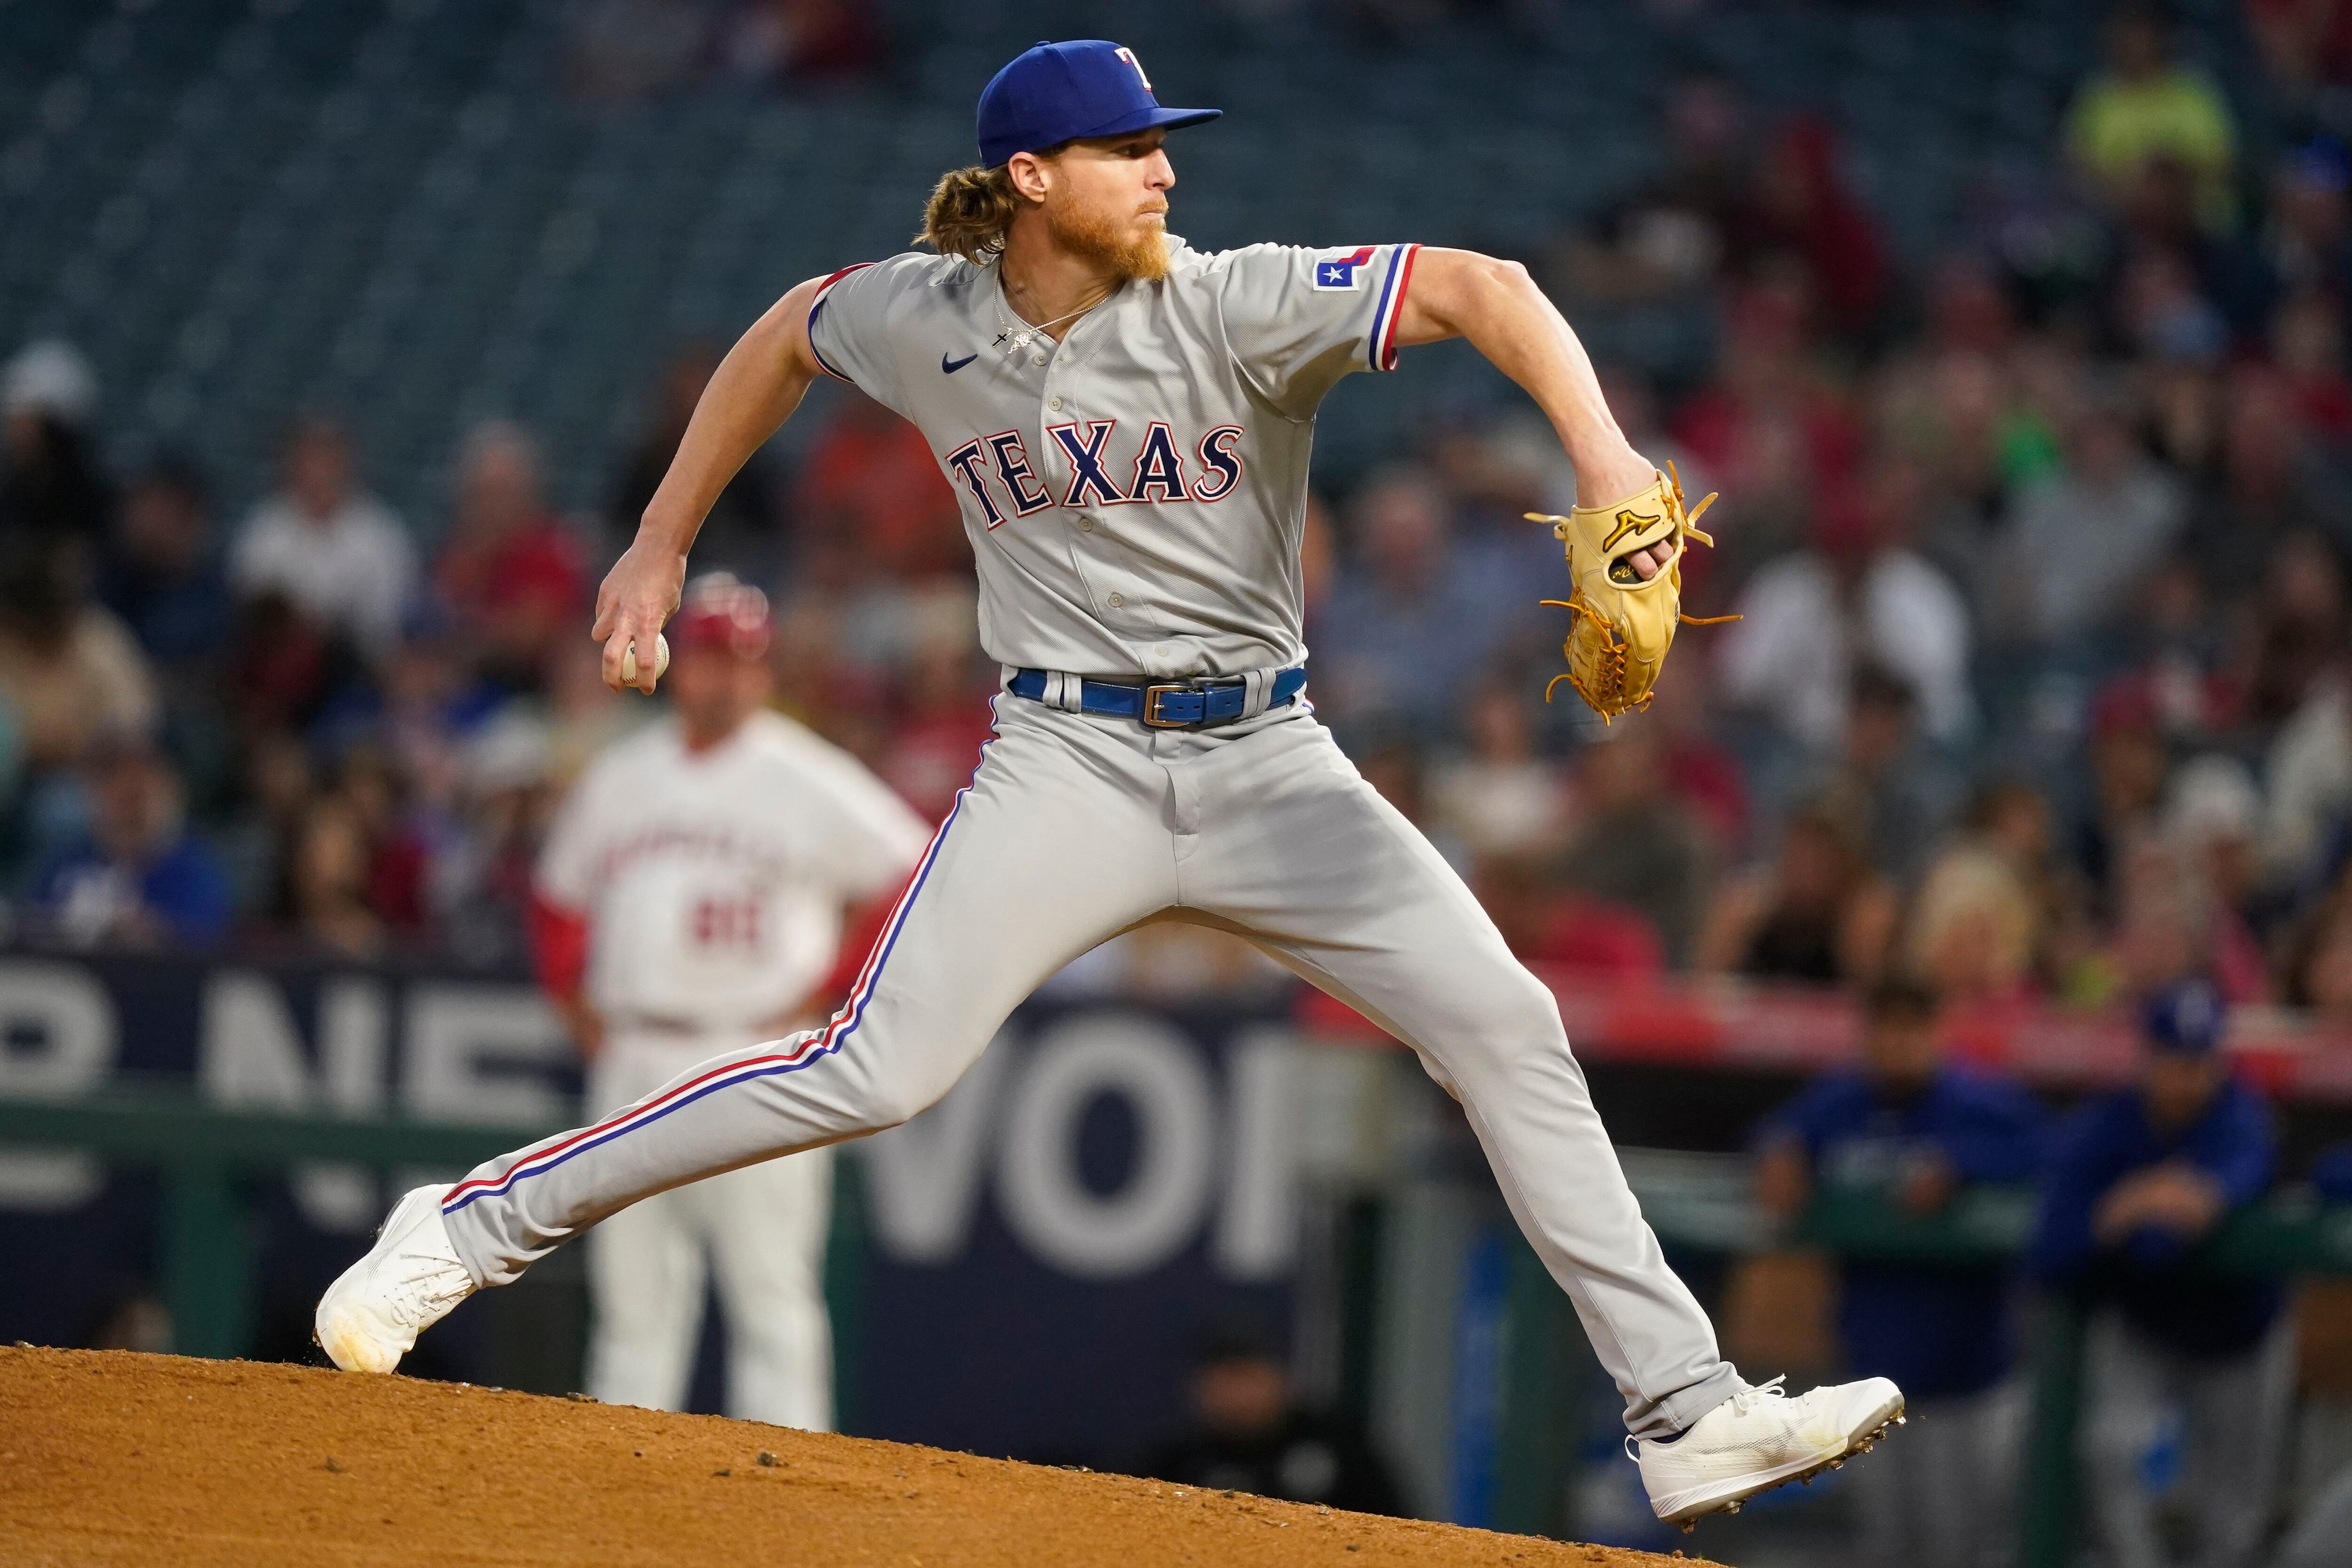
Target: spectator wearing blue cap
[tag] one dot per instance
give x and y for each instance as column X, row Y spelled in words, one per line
column 1904, row 1119
column 2140, row 1177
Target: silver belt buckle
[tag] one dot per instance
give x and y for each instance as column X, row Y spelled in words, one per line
column 1151, row 715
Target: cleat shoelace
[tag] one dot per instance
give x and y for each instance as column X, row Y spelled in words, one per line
column 1749, row 1396
column 420, row 1301
column 423, row 1295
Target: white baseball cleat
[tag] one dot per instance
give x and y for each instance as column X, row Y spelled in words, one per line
column 1759, row 1438
column 407, row 1282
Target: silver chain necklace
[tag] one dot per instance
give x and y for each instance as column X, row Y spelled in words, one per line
column 1021, row 337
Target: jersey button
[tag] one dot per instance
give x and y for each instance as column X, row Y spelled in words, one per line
column 1116, row 600
column 1055, row 404
column 1036, row 359
column 1085, row 525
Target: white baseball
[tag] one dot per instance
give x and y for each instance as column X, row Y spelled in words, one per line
column 629, row 659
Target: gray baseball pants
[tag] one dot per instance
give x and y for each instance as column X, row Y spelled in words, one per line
column 1941, row 1497
column 758, row 1233
column 1075, row 828
column 2233, row 1417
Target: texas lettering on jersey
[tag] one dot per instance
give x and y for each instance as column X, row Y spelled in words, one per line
column 996, row 469
column 1138, row 485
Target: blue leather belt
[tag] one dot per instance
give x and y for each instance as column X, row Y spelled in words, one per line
column 1167, row 705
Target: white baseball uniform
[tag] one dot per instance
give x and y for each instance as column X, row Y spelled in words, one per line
column 1134, row 494
column 713, row 884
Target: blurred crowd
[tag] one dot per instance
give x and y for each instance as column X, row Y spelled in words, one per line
column 2042, row 689
column 617, row 51
column 309, row 730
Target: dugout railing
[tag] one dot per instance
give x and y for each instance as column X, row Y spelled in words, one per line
column 1702, row 1203
column 206, row 1154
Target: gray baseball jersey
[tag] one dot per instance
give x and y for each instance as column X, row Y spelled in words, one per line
column 1133, row 493
column 1134, row 496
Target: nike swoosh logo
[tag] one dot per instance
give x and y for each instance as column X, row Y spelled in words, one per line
column 953, row 366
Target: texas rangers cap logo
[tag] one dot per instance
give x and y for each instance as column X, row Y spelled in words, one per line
column 1345, row 270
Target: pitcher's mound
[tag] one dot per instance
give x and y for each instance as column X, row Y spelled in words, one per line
column 107, row 1457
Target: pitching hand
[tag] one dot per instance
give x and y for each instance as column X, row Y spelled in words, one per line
column 638, row 595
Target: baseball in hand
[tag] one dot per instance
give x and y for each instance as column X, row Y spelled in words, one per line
column 629, row 659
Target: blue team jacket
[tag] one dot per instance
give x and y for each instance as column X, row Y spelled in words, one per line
column 2331, row 1173
column 1940, row 1333
column 2148, row 1278
column 183, row 886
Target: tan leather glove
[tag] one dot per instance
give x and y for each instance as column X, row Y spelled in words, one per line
column 1623, row 626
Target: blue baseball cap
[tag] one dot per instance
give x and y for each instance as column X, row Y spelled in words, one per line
column 1054, row 93
column 2186, row 1018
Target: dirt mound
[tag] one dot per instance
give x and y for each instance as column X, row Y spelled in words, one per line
column 106, row 1457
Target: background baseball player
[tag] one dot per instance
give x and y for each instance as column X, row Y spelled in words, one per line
column 1905, row 1117
column 2138, row 1176
column 1128, row 423
column 688, row 901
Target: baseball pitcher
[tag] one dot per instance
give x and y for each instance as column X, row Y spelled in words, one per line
column 1127, row 423
column 688, row 900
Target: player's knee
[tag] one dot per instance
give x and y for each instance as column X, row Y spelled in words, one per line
column 885, row 1104
column 1520, row 1009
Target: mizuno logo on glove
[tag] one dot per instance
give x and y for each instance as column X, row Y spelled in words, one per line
column 1627, row 522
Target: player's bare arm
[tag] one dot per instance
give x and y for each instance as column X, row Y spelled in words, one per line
column 755, row 389
column 1497, row 307
column 1087, row 382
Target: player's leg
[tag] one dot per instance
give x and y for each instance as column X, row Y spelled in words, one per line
column 2236, row 1412
column 1927, row 1501
column 2318, row 1537
column 769, row 1224
column 1299, row 852
column 646, row 1274
column 645, row 1280
column 1041, row 858
column 1059, row 842
column 1886, row 1524
column 2129, row 1384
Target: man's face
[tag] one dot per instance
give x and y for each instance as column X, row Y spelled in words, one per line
column 713, row 690
column 2177, row 1086
column 1901, row 1053
column 500, row 489
column 1403, row 526
column 163, row 525
column 1106, row 199
column 2135, row 46
column 130, row 806
column 319, row 471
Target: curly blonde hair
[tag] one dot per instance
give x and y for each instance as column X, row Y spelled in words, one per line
column 970, row 212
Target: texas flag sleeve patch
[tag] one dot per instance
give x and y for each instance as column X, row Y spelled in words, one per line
column 1343, row 269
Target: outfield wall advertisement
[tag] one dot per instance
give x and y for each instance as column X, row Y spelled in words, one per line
column 1039, row 1249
